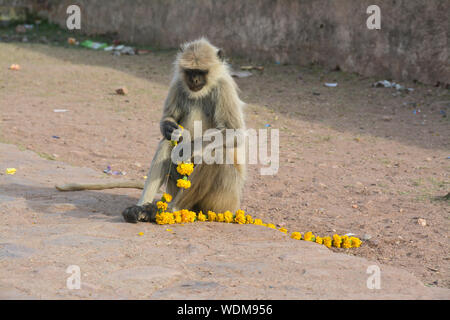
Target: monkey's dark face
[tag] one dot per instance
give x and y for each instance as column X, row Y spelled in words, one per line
column 195, row 79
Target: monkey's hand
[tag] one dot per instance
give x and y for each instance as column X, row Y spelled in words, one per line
column 145, row 213
column 167, row 127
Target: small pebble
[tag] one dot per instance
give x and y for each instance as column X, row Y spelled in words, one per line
column 366, row 237
column 122, row 91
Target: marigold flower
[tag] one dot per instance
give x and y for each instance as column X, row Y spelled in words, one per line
column 201, row 216
column 228, row 217
column 337, row 241
column 188, row 216
column 11, row 171
column 271, row 226
column 327, row 242
column 185, row 169
column 356, row 242
column 346, row 242
column 173, row 142
column 239, row 212
column 212, row 216
column 165, row 218
column 319, row 240
column 162, row 205
column 308, row 236
column 177, row 216
column 185, row 184
column 240, row 218
column 248, row 219
column 166, row 197
column 258, row 222
column 284, row 230
column 296, row 235
column 220, row 217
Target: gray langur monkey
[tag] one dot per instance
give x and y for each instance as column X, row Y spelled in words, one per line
column 202, row 89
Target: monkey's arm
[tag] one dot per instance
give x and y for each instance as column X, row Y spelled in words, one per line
column 100, row 186
column 171, row 113
column 161, row 161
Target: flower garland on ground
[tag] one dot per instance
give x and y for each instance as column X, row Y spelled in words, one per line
column 186, row 216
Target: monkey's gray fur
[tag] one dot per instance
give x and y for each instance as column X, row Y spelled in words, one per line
column 202, row 89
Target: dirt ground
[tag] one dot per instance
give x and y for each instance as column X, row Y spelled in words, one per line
column 354, row 158
column 44, row 231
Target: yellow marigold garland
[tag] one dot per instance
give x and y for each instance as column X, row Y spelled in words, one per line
column 186, row 216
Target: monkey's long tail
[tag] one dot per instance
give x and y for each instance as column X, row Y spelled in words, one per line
column 100, row 186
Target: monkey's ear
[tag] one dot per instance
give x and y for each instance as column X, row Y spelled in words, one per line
column 221, row 55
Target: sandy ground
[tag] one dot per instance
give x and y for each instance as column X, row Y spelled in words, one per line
column 44, row 232
column 352, row 158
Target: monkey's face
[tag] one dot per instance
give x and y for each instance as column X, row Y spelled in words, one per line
column 195, row 79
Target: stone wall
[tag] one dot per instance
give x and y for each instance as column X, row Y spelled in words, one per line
column 413, row 42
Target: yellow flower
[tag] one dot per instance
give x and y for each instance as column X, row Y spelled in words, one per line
column 239, row 212
column 165, row 218
column 327, row 242
column 173, row 142
column 346, row 242
column 258, row 222
column 228, row 216
column 177, row 216
column 185, row 169
column 240, row 218
column 193, row 216
column 356, row 243
column 271, row 226
column 201, row 216
column 248, row 219
column 162, row 205
column 166, row 197
column 319, row 240
column 141, row 234
column 308, row 236
column 185, row 184
column 11, row 171
column 284, row 230
column 337, row 241
column 220, row 217
column 212, row 216
column 296, row 235
column 188, row 216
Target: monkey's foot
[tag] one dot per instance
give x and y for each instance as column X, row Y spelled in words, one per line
column 145, row 213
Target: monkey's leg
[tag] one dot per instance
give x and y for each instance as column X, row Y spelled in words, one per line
column 158, row 172
column 145, row 210
column 225, row 193
column 214, row 187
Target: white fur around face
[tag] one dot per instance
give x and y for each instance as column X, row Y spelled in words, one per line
column 202, row 55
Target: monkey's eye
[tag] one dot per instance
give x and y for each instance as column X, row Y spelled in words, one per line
column 195, row 72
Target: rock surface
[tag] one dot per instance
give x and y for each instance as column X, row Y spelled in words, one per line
column 43, row 232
